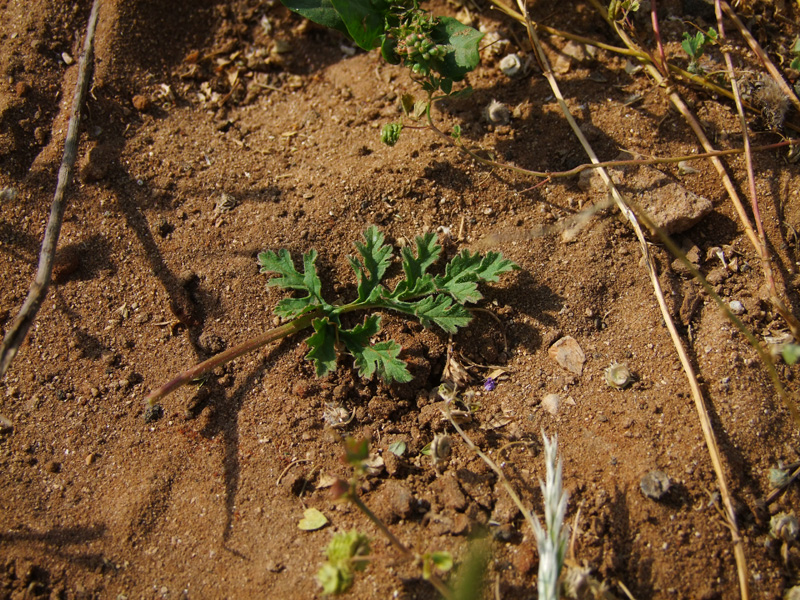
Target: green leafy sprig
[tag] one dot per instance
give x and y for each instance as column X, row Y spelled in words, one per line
column 695, row 46
column 438, row 50
column 433, row 299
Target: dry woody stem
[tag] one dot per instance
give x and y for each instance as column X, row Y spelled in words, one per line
column 38, row 290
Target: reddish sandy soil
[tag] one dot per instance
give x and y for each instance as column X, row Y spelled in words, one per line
column 215, row 130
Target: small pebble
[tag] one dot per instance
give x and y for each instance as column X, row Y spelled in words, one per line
column 551, row 403
column 736, row 307
column 140, row 103
column 655, row 485
column 22, row 88
column 68, row 60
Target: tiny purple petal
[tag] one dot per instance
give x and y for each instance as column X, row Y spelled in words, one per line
column 489, row 384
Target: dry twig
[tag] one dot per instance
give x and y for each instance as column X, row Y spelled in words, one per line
column 626, row 210
column 38, row 290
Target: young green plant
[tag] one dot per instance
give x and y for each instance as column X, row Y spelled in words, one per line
column 336, row 574
column 695, row 46
column 439, row 300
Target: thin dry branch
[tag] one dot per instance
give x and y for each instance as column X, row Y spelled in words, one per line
column 38, row 290
column 700, row 405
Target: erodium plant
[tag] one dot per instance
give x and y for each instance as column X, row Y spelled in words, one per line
column 439, row 300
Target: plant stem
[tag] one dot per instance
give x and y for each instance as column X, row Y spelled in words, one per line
column 440, row 585
column 212, row 363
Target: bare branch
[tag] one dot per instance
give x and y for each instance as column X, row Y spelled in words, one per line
column 38, row 290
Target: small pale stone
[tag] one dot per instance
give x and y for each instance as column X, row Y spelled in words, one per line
column 551, row 403
column 736, row 307
column 567, row 353
column 655, row 485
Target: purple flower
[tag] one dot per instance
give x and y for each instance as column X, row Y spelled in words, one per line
column 489, row 384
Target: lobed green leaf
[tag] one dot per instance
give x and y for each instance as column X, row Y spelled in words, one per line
column 290, row 278
column 365, row 20
column 418, row 282
column 375, row 259
column 464, row 53
column 465, row 270
column 369, row 357
column 323, row 346
column 319, row 11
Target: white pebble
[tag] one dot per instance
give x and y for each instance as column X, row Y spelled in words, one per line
column 736, row 307
column 551, row 403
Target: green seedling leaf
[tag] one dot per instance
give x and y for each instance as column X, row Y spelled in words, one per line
column 463, row 51
column 365, row 20
column 465, row 270
column 290, row 278
column 693, row 44
column 334, row 580
column 426, row 450
column 380, row 357
column 791, row 353
column 319, row 11
column 456, row 133
column 796, row 46
column 312, row 520
column 323, row 346
column 443, row 561
column 383, row 358
column 397, row 448
column 390, row 133
column 375, row 259
column 795, row 64
column 417, row 281
column 442, row 311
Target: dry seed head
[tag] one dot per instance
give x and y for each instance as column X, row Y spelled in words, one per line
column 510, row 65
column 497, row 113
column 784, row 527
column 618, row 376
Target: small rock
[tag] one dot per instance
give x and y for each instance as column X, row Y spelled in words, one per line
column 736, row 307
column 22, row 88
column 40, row 134
column 717, row 276
column 672, row 207
column 153, row 413
column 551, row 403
column 395, row 501
column 211, row 342
column 461, row 525
column 96, row 162
column 140, row 102
column 524, row 559
column 67, row 58
column 449, row 493
column 67, row 263
column 53, row 466
column 90, row 458
column 567, row 353
column 655, row 485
